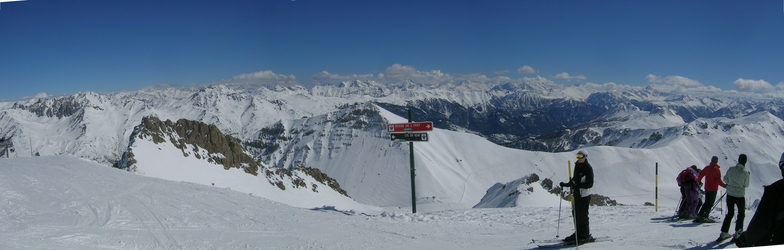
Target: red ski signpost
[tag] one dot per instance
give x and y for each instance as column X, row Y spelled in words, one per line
column 409, row 127
column 403, row 132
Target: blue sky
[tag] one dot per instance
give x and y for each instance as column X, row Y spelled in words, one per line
column 64, row 47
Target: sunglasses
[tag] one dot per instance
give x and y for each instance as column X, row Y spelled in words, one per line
column 580, row 156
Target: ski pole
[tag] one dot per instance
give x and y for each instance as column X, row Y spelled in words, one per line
column 678, row 207
column 722, row 206
column 716, row 203
column 560, row 200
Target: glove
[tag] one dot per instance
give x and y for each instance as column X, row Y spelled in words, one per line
column 569, row 184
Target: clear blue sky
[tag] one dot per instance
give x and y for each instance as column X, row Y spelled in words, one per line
column 63, row 47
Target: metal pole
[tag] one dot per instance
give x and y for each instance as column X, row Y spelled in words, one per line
column 657, row 187
column 721, row 204
column 413, row 172
column 678, row 207
column 560, row 200
column 718, row 201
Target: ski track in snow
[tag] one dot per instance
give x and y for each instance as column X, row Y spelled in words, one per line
column 67, row 203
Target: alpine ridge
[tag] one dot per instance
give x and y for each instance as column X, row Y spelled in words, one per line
column 339, row 130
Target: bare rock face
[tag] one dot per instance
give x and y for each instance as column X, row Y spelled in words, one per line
column 189, row 135
column 56, row 107
column 192, row 136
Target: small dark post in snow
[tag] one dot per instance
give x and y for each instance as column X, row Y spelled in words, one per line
column 657, row 187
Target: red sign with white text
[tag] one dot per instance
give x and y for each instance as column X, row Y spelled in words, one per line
column 409, row 127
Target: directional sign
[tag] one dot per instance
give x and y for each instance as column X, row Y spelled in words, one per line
column 409, row 137
column 409, row 127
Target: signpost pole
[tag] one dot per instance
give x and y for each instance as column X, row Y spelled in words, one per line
column 413, row 186
column 657, row 187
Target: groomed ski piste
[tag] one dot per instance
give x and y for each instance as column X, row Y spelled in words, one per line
column 63, row 202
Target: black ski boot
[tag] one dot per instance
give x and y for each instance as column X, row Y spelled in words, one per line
column 586, row 239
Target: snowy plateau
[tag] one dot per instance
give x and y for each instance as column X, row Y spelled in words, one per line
column 85, row 172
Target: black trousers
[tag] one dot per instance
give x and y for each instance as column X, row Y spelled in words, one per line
column 710, row 198
column 733, row 201
column 581, row 205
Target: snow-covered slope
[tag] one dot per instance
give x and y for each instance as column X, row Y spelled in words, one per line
column 457, row 168
column 60, row 202
column 194, row 152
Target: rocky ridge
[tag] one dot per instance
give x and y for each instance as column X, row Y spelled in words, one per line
column 194, row 138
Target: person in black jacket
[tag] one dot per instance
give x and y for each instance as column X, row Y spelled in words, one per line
column 767, row 225
column 581, row 184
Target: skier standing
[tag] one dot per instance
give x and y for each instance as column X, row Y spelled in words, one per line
column 581, row 184
column 737, row 179
column 712, row 174
column 687, row 179
column 767, row 225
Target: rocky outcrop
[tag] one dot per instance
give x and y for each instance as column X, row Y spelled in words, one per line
column 508, row 194
column 56, row 107
column 319, row 136
column 6, row 145
column 191, row 136
column 222, row 149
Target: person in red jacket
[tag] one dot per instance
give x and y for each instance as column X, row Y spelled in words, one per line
column 712, row 175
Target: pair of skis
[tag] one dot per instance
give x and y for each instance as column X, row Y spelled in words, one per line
column 720, row 243
column 559, row 243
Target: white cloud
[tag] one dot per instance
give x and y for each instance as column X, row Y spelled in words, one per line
column 41, row 95
column 652, row 78
column 164, row 86
column 398, row 72
column 674, row 80
column 326, row 77
column 266, row 77
column 566, row 76
column 753, row 85
column 483, row 79
column 393, row 74
column 526, row 70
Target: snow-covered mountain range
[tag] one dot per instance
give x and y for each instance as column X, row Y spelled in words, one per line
column 485, row 135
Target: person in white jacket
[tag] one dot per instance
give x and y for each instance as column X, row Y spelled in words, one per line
column 737, row 179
